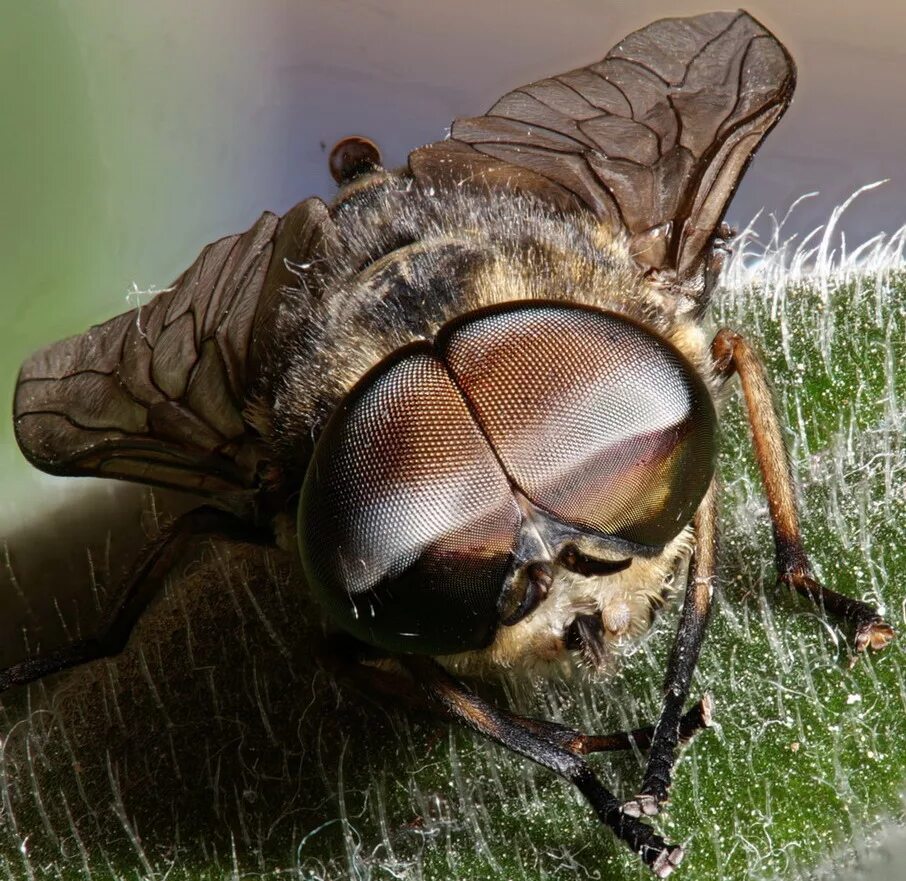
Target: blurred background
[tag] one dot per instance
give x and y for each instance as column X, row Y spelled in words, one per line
column 133, row 134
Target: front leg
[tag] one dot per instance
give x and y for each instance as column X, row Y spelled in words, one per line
column 456, row 701
column 683, row 657
column 348, row 658
column 732, row 353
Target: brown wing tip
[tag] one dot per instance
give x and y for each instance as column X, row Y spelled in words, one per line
column 792, row 72
column 708, row 28
column 671, row 49
column 33, row 423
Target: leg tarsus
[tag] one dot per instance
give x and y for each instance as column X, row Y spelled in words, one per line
column 643, row 805
column 870, row 629
column 875, row 634
column 694, row 720
column 457, row 702
column 32, row 669
column 667, row 861
column 698, row 717
column 552, row 745
column 731, row 353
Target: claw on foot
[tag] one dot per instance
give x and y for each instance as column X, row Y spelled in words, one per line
column 642, row 805
column 667, row 861
column 872, row 631
column 874, row 634
column 696, row 719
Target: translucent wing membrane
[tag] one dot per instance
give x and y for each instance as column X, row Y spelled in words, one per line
column 156, row 395
column 653, row 139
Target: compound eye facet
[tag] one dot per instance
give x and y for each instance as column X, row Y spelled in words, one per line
column 597, row 420
column 407, row 521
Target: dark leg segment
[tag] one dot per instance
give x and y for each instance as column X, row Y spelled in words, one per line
column 140, row 587
column 347, row 657
column 342, row 660
column 731, row 353
column 457, row 702
column 683, row 657
column 695, row 719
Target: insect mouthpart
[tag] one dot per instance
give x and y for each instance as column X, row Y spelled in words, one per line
column 594, row 633
column 586, row 635
column 583, row 564
column 524, row 595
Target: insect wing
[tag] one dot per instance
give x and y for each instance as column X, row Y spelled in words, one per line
column 156, row 395
column 654, row 138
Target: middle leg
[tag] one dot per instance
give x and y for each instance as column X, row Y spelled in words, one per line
column 457, row 702
column 683, row 657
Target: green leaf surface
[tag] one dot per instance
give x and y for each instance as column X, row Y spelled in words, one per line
column 216, row 747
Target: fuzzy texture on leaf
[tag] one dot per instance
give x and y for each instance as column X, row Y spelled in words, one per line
column 215, row 746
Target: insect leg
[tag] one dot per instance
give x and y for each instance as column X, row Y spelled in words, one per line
column 139, row 588
column 461, row 704
column 345, row 656
column 732, row 353
column 683, row 657
column 695, row 719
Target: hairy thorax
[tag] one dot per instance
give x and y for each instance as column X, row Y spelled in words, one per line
column 405, row 260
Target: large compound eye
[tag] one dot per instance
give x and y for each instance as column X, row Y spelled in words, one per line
column 407, row 521
column 597, row 420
